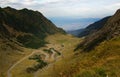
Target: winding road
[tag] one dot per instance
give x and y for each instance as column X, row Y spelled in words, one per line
column 51, row 64
column 47, row 57
column 10, row 69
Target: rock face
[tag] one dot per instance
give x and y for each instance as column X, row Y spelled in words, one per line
column 92, row 28
column 27, row 27
column 110, row 30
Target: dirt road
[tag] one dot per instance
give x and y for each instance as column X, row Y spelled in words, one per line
column 36, row 51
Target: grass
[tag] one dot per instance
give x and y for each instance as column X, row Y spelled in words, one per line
column 20, row 69
column 28, row 63
column 8, row 58
column 103, row 61
column 40, row 64
column 64, row 63
column 31, row 41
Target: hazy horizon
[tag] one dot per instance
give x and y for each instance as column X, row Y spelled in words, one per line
column 68, row 14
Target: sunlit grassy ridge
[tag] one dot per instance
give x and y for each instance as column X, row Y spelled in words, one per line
column 9, row 57
column 103, row 61
column 64, row 63
column 28, row 27
column 20, row 32
column 55, row 41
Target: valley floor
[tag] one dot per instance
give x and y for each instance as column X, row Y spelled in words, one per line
column 62, row 45
column 62, row 61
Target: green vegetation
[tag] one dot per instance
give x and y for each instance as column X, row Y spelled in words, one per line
column 85, row 74
column 31, row 41
column 38, row 66
column 20, row 30
column 103, row 61
column 101, row 72
column 31, row 31
column 63, row 65
column 106, row 56
column 92, row 28
column 110, row 30
column 35, row 57
column 103, row 57
column 48, row 51
column 98, row 72
column 55, row 51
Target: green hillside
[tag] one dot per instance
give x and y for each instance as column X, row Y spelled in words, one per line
column 26, row 26
column 32, row 46
column 21, row 31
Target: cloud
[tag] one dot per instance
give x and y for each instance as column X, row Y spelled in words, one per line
column 67, row 8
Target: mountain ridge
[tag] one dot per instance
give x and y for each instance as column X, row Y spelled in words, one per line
column 90, row 29
column 26, row 26
column 110, row 30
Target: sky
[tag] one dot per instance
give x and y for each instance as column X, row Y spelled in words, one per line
column 68, row 14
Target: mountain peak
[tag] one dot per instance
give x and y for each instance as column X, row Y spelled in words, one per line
column 110, row 30
column 27, row 26
column 118, row 11
column 92, row 28
column 9, row 8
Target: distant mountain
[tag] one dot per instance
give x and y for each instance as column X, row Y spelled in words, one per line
column 69, row 23
column 110, row 30
column 75, row 32
column 92, row 28
column 26, row 27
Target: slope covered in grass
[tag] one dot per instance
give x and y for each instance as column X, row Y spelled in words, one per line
column 20, row 30
column 110, row 30
column 103, row 61
column 28, row 27
column 102, row 58
column 92, row 28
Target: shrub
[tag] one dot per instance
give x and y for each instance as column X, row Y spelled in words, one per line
column 85, row 74
column 101, row 72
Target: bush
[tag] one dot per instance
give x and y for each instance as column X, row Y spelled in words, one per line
column 55, row 51
column 86, row 74
column 41, row 64
column 47, row 51
column 101, row 72
column 31, row 41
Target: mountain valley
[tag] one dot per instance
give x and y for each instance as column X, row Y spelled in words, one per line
column 32, row 46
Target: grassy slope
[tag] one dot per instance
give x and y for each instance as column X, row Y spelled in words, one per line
column 64, row 63
column 56, row 40
column 9, row 54
column 31, row 31
column 103, row 61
